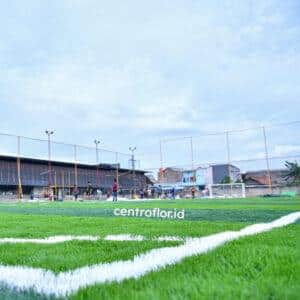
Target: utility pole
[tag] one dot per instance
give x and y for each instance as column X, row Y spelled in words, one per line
column 97, row 142
column 49, row 133
column 132, row 149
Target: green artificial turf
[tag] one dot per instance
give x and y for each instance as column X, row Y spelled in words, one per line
column 235, row 210
column 265, row 266
column 280, row 203
column 74, row 254
column 43, row 226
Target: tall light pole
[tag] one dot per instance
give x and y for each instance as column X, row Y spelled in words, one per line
column 229, row 160
column 97, row 142
column 49, row 133
column 132, row 149
column 161, row 173
column 267, row 159
column 192, row 161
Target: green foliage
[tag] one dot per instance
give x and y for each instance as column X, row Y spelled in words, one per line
column 293, row 171
column 226, row 180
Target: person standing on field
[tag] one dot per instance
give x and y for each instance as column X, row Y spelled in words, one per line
column 173, row 193
column 76, row 192
column 115, row 191
column 193, row 192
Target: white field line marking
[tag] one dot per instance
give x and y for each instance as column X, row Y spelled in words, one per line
column 65, row 283
column 49, row 240
column 129, row 237
column 171, row 239
column 66, row 238
column 124, row 237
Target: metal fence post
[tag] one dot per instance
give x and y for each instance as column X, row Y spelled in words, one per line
column 229, row 160
column 19, row 169
column 75, row 167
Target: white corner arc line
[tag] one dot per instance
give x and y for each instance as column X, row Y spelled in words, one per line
column 65, row 283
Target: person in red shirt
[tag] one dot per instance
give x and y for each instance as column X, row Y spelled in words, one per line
column 115, row 191
column 193, row 192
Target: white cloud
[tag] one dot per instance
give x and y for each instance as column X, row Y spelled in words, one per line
column 281, row 150
column 134, row 72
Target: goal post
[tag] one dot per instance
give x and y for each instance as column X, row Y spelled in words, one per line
column 228, row 190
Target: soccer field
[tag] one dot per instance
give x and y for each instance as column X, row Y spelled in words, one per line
column 150, row 258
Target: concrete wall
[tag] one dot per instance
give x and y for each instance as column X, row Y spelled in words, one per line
column 264, row 190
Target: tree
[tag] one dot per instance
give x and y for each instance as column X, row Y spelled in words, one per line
column 293, row 171
column 226, row 180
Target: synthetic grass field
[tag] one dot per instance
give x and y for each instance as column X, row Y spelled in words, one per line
column 264, row 266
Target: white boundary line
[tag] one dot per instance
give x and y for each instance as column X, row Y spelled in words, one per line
column 124, row 237
column 67, row 238
column 49, row 240
column 65, row 283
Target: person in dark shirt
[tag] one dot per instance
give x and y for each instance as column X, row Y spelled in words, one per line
column 152, row 193
column 76, row 193
column 159, row 191
column 173, row 193
column 142, row 194
column 115, row 191
column 89, row 190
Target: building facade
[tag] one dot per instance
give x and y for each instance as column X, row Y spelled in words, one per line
column 170, row 176
column 36, row 174
column 194, row 177
column 261, row 177
column 201, row 177
column 216, row 174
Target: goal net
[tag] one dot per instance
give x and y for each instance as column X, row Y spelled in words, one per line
column 234, row 190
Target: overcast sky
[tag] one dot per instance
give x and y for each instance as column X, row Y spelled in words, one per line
column 132, row 72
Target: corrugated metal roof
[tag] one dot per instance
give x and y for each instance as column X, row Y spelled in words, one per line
column 64, row 163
